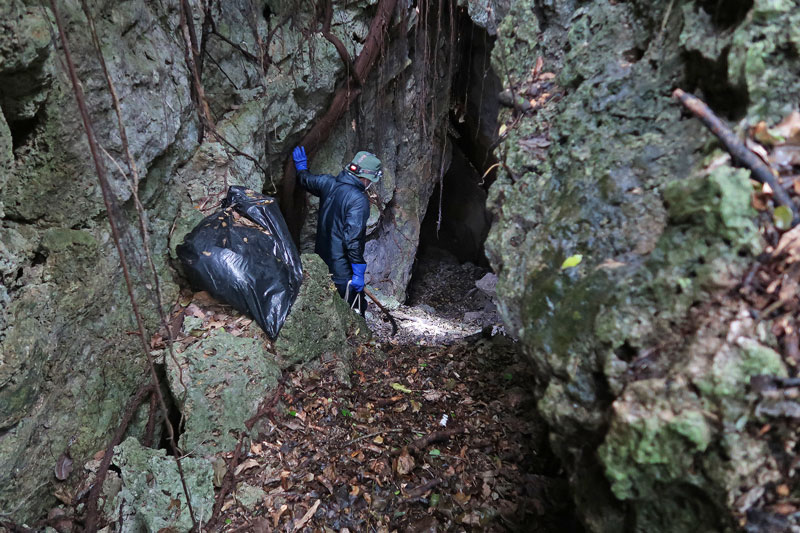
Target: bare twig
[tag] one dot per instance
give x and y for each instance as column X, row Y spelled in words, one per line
column 434, row 437
column 415, row 493
column 107, row 200
column 760, row 171
column 247, row 55
column 266, row 407
column 227, row 485
column 383, row 309
column 375, row 434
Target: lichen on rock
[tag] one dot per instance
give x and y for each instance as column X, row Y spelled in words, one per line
column 644, row 359
column 151, row 497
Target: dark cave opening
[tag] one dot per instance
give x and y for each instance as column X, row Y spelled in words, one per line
column 22, row 130
column 456, row 218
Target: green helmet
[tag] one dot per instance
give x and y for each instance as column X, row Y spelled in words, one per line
column 366, row 165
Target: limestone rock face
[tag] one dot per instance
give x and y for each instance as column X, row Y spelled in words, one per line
column 68, row 364
column 644, row 361
column 151, row 496
column 220, row 380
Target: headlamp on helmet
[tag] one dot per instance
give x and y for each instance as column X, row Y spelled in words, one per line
column 366, row 165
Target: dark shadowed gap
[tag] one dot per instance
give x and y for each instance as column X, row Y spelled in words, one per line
column 173, row 411
column 461, row 228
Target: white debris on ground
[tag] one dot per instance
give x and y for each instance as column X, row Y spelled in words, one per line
column 447, row 302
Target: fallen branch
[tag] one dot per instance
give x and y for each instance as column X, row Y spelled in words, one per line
column 375, row 434
column 383, row 309
column 760, row 171
column 415, row 493
column 434, row 437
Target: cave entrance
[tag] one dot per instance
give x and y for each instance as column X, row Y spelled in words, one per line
column 457, row 222
column 456, row 219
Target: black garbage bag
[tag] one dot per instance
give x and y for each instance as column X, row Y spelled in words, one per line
column 244, row 256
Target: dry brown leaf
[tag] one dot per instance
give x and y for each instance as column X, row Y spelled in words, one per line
column 247, row 465
column 759, row 202
column 432, row 395
column 789, row 243
column 789, row 128
column 306, row 517
column 784, row 508
column 538, row 68
column 193, row 310
column 760, row 132
column 461, row 498
column 261, row 526
column 405, row 463
column 785, row 156
column 788, row 289
column 276, row 516
column 772, row 287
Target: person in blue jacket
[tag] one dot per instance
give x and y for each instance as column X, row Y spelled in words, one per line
column 342, row 222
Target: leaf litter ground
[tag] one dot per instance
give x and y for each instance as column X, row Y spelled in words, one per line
column 426, row 439
column 429, row 436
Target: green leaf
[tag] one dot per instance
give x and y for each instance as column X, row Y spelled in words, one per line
column 397, row 386
column 572, row 261
column 435, row 453
column 292, row 412
column 782, row 217
column 346, row 412
column 434, row 499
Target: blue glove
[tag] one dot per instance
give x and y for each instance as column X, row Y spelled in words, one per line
column 358, row 276
column 300, row 159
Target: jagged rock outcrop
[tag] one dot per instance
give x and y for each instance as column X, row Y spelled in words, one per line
column 220, row 380
column 69, row 364
column 644, row 357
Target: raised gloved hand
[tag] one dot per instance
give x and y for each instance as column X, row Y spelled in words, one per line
column 300, row 159
column 358, row 276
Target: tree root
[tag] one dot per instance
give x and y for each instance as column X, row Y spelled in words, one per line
column 94, row 494
column 291, row 197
